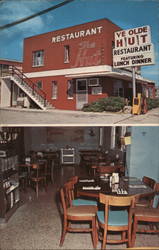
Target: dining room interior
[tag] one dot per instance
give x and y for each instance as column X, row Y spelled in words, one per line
column 50, row 176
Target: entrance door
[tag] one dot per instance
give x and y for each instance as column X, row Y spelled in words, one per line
column 81, row 93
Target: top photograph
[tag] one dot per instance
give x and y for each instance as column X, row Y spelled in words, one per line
column 79, row 62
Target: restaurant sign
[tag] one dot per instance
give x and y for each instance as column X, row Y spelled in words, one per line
column 133, row 47
column 77, row 34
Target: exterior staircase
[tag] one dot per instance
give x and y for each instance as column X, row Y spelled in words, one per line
column 36, row 94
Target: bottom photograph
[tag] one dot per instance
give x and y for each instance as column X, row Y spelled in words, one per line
column 79, row 187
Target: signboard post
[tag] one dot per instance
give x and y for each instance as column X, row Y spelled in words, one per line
column 133, row 82
column 133, row 48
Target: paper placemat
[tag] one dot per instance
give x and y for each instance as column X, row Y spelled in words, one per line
column 137, row 186
column 91, row 188
column 87, row 180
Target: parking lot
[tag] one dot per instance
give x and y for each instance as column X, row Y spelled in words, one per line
column 33, row 117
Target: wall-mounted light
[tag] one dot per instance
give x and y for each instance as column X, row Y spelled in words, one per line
column 144, row 133
column 91, row 132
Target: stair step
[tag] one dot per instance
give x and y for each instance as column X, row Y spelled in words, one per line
column 38, row 99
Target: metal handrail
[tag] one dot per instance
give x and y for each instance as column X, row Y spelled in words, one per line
column 28, row 81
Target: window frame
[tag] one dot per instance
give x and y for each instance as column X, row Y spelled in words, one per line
column 37, row 84
column 35, row 57
column 66, row 53
column 118, row 88
column 54, row 92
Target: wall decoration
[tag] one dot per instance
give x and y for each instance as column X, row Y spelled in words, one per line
column 65, row 135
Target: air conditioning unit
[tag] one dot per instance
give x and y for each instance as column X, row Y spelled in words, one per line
column 23, row 102
column 93, row 82
column 20, row 101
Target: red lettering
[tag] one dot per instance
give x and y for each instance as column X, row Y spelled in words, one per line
column 137, row 31
column 131, row 40
column 119, row 43
column 120, row 33
column 143, row 37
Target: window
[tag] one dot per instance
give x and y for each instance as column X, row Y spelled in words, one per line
column 39, row 84
column 38, row 58
column 119, row 92
column 150, row 92
column 66, row 54
column 4, row 69
column 82, row 85
column 54, row 90
column 69, row 89
column 118, row 88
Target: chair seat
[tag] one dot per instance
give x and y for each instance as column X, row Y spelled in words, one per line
column 82, row 211
column 83, row 202
column 116, row 218
column 143, row 212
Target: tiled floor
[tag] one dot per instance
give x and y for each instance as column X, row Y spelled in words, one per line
column 37, row 224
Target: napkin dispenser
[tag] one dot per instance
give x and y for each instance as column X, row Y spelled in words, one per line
column 115, row 178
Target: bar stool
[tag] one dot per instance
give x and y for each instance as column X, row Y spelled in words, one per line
column 38, row 176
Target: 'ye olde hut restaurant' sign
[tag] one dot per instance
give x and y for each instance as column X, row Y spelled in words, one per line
column 133, row 47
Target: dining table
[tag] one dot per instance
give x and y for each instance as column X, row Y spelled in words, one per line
column 127, row 186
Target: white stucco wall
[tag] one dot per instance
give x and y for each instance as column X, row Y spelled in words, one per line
column 5, row 93
column 143, row 153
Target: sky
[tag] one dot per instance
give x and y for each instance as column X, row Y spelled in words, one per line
column 125, row 13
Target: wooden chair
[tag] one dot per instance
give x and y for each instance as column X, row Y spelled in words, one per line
column 77, row 214
column 38, row 176
column 147, row 216
column 69, row 186
column 48, row 169
column 149, row 181
column 116, row 217
column 147, row 201
column 23, row 175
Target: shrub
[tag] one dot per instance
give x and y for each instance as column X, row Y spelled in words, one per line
column 152, row 103
column 113, row 104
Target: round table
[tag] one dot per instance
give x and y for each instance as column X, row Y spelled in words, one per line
column 132, row 186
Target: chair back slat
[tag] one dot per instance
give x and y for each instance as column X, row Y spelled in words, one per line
column 74, row 179
column 63, row 200
column 69, row 192
column 121, row 201
column 156, row 188
column 149, row 181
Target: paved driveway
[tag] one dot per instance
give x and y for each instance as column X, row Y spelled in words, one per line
column 26, row 117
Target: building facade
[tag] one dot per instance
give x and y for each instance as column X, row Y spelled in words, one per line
column 71, row 67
